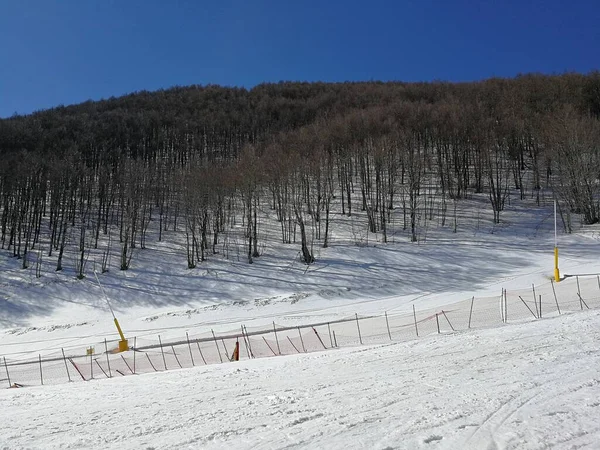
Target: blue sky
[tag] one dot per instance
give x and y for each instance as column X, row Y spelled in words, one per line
column 67, row 51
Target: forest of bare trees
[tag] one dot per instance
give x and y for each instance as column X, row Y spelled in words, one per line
column 200, row 160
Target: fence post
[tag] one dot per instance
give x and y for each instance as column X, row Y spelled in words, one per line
column 272, row 351
column 295, row 348
column 201, row 354
column 330, row 340
column 248, row 339
column 319, row 338
column 535, row 301
column 150, row 361
column 358, row 326
column 134, row 352
column 176, row 358
column 583, row 301
column 245, row 342
column 540, row 306
column 525, row 303
column 107, row 359
column 387, row 323
column 579, row 293
column 66, row 365
column 162, row 352
column 437, row 320
column 77, row 369
column 187, row 337
column 41, row 375
column 301, row 340
column 91, row 366
column 126, row 363
column 334, row 339
column 276, row 339
column 448, row 320
column 101, row 368
column 555, row 297
column 471, row 311
column 7, row 375
column 415, row 316
column 226, row 351
column 217, row 344
column 505, row 306
column 502, row 306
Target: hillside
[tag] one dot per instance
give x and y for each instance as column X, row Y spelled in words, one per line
column 200, row 164
column 364, row 214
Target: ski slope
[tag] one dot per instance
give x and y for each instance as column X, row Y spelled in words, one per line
column 526, row 386
column 521, row 385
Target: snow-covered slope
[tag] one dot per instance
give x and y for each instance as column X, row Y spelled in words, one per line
column 525, row 386
column 356, row 274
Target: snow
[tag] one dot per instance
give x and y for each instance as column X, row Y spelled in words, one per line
column 531, row 383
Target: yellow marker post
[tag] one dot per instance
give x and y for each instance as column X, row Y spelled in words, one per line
column 556, row 271
column 123, row 344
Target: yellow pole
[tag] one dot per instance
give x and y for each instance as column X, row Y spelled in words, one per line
column 556, row 271
column 119, row 329
column 123, row 345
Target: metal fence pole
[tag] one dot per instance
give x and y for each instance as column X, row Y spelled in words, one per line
column 248, row 339
column 387, row 323
column 217, row 344
column 415, row 316
column 448, row 320
column 176, row 358
column 579, row 293
column 535, row 301
column 276, row 339
column 358, row 327
column 7, row 375
column 107, row 359
column 187, row 337
column 126, row 363
column 530, row 310
column 66, row 365
column 201, row 354
column 41, row 375
column 162, row 352
column 150, row 361
column 301, row 340
column 555, row 297
column 245, row 342
column 295, row 348
column 225, row 347
column 471, row 311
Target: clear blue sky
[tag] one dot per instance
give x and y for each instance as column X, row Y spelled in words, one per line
column 67, row 51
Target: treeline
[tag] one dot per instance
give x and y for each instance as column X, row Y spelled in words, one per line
column 202, row 160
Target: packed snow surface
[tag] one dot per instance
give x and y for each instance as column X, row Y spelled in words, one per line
column 527, row 386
